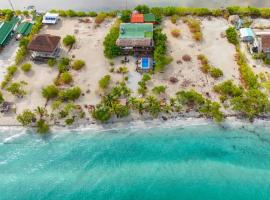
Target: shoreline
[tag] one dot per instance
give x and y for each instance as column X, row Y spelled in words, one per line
column 149, row 123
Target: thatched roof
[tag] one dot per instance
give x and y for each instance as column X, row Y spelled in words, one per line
column 134, row 42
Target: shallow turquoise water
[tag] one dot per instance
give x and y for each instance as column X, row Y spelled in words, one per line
column 193, row 162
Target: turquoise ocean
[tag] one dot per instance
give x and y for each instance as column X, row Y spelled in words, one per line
column 175, row 160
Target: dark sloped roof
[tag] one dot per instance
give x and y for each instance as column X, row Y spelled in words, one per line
column 266, row 41
column 134, row 42
column 44, row 43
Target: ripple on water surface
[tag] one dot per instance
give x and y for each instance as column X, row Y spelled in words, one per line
column 188, row 162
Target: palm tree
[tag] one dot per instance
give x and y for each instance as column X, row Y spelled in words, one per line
column 41, row 112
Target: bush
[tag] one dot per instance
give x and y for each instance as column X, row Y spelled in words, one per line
column 160, row 54
column 42, row 126
column 111, row 50
column 51, row 62
column 159, row 89
column 228, row 89
column 26, row 117
column 143, row 9
column 176, row 33
column 100, row 18
column 102, row 113
column 125, row 17
column 66, row 78
column 251, row 103
column 16, row 89
column 216, row 72
column 231, row 35
column 104, row 82
column 70, row 94
column 1, row 98
column 26, row 67
column 20, row 55
column 50, row 92
column 78, row 64
column 69, row 40
column 174, row 19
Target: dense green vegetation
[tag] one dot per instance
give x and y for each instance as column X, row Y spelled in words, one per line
column 232, row 36
column 251, row 103
column 111, row 50
column 160, row 54
column 228, row 90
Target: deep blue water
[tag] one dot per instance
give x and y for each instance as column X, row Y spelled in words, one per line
column 203, row 161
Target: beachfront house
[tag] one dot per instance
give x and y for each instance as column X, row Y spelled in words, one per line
column 136, row 39
column 7, row 30
column 247, row 35
column 50, row 18
column 44, row 46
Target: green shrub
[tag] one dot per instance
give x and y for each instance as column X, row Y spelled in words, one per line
column 228, row 89
column 232, row 36
column 159, row 89
column 52, row 62
column 100, row 18
column 50, row 92
column 16, row 88
column 111, row 50
column 78, row 64
column 251, row 103
column 70, row 94
column 66, row 78
column 26, row 117
column 102, row 113
column 26, row 67
column 125, row 16
column 104, row 82
column 143, row 9
column 69, row 40
column 1, row 98
column 174, row 19
column 216, row 72
column 42, row 126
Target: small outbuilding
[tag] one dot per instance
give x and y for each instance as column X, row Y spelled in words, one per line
column 24, row 29
column 264, row 45
column 50, row 18
column 44, row 46
column 247, row 35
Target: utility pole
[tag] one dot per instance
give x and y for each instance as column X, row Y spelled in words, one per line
column 11, row 5
column 126, row 4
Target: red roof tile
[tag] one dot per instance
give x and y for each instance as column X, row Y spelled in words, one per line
column 137, row 18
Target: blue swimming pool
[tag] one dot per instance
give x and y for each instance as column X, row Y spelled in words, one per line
column 145, row 63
